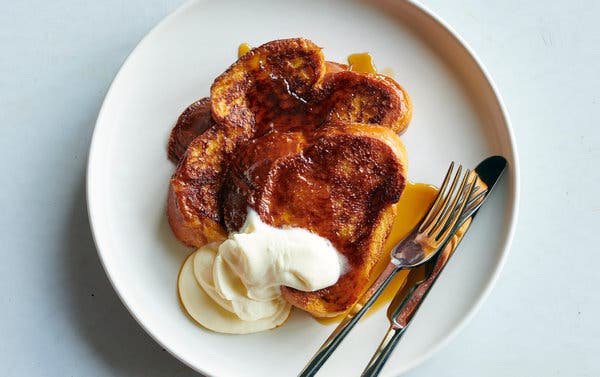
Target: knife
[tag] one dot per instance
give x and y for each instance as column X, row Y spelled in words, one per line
column 408, row 299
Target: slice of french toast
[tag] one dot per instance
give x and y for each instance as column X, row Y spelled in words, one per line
column 265, row 86
column 194, row 120
column 283, row 85
column 355, row 97
column 341, row 181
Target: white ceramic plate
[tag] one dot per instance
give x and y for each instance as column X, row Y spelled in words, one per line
column 457, row 116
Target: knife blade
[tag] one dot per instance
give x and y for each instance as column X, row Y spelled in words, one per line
column 420, row 280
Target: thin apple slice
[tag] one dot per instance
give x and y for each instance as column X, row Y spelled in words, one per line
column 207, row 313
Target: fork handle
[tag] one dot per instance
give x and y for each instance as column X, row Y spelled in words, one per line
column 388, row 343
column 353, row 316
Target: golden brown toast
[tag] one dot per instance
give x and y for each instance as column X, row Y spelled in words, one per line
column 194, row 120
column 197, row 118
column 271, row 86
column 365, row 98
column 266, row 86
column 366, row 91
column 277, row 105
column 341, row 182
column 281, row 85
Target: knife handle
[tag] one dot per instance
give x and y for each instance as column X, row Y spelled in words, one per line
column 388, row 343
column 402, row 317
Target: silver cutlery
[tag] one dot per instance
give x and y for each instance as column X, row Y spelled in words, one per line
column 420, row 280
column 418, row 247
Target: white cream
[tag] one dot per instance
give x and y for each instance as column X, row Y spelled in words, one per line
column 200, row 304
column 243, row 275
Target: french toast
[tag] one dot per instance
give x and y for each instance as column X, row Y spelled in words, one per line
column 354, row 97
column 340, row 182
column 368, row 93
column 279, row 112
column 194, row 120
column 265, row 88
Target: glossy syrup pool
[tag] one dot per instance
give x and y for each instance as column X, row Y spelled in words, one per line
column 362, row 62
column 414, row 203
column 243, row 49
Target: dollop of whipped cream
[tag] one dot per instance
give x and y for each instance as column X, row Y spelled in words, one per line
column 243, row 274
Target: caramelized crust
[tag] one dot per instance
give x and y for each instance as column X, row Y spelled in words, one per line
column 192, row 204
column 192, row 122
column 270, row 86
column 245, row 101
column 334, row 67
column 341, row 182
column 366, row 98
column 197, row 118
column 303, row 141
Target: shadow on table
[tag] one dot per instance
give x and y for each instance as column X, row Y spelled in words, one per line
column 96, row 311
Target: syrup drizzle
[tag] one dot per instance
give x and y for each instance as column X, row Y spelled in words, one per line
column 413, row 205
column 243, row 49
column 362, row 62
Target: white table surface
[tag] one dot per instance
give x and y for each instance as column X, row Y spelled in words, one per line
column 60, row 317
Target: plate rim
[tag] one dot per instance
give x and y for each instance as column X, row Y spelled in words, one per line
column 514, row 193
column 513, row 199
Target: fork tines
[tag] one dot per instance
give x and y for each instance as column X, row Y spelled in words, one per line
column 449, row 203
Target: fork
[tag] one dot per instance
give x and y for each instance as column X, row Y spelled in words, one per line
column 418, row 247
column 409, row 298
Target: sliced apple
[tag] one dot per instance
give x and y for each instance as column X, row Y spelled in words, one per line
column 210, row 269
column 207, row 313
